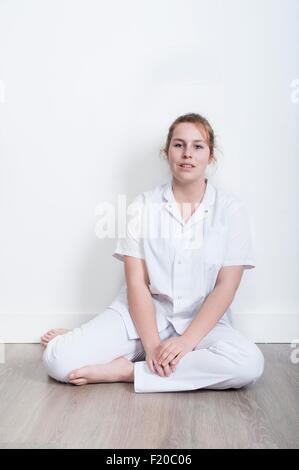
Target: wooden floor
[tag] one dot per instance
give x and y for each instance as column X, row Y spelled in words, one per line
column 37, row 412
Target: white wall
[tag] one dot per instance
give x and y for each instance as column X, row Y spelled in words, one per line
column 87, row 92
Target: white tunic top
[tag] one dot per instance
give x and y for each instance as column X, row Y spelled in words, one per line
column 183, row 259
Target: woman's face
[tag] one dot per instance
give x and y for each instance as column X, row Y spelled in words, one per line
column 188, row 146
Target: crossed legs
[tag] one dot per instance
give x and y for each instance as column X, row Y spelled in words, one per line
column 100, row 351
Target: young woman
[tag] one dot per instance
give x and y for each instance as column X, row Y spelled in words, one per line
column 169, row 327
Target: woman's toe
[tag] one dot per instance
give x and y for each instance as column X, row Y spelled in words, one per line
column 79, row 373
column 75, row 374
column 76, row 377
column 80, row 381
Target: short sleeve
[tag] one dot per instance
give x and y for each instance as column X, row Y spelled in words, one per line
column 131, row 242
column 239, row 247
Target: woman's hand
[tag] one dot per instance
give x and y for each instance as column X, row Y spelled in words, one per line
column 173, row 349
column 152, row 355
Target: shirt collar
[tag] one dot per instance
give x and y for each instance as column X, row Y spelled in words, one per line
column 208, row 198
column 201, row 212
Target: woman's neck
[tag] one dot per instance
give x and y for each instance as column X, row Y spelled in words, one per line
column 189, row 193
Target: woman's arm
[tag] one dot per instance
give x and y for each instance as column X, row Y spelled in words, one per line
column 140, row 301
column 216, row 303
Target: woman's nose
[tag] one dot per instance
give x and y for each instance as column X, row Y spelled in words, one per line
column 187, row 154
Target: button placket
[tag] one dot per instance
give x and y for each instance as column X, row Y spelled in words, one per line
column 177, row 275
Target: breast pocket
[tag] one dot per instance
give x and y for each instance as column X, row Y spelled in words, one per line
column 214, row 246
column 213, row 254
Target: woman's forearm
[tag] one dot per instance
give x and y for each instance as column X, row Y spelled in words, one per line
column 210, row 313
column 142, row 311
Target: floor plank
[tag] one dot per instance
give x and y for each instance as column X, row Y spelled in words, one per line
column 38, row 412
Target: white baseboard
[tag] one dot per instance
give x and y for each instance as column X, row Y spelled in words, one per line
column 268, row 328
column 261, row 328
column 28, row 328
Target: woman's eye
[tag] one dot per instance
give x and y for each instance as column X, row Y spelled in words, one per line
column 197, row 146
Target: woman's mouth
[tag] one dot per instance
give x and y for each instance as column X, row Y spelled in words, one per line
column 186, row 166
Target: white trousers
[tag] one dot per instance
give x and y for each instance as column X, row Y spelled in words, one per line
column 223, row 359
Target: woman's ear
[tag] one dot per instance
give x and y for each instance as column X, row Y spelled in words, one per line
column 163, row 154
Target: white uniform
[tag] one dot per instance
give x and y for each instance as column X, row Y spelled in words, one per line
column 183, row 260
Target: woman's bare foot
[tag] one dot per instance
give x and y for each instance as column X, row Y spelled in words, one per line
column 118, row 370
column 51, row 334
